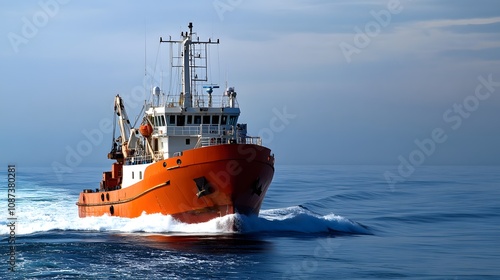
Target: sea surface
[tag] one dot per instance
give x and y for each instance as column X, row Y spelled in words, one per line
column 317, row 222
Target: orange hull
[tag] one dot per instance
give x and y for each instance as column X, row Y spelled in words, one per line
column 197, row 186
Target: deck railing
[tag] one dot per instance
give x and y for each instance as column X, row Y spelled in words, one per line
column 202, row 101
column 183, row 131
column 213, row 141
column 200, row 130
column 139, row 160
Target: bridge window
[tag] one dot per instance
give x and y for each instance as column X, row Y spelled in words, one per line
column 223, row 120
column 215, row 119
column 232, row 120
column 189, row 119
column 171, row 120
column 180, row 120
column 206, row 119
column 197, row 119
column 159, row 121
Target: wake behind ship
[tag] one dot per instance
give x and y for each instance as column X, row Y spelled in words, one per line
column 189, row 158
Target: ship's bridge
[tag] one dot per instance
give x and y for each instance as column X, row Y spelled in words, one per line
column 176, row 129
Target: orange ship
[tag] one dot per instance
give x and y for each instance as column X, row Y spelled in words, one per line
column 190, row 158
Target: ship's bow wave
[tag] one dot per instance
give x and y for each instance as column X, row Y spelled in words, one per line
column 298, row 219
column 280, row 221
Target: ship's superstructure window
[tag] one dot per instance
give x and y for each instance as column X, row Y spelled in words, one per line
column 188, row 141
column 223, row 120
column 215, row 119
column 206, row 119
column 159, row 121
column 189, row 119
column 132, row 174
column 197, row 119
column 232, row 120
column 180, row 120
column 171, row 120
column 140, row 175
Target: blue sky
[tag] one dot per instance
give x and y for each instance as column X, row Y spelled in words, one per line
column 324, row 82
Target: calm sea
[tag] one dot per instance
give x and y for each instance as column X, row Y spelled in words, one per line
column 317, row 222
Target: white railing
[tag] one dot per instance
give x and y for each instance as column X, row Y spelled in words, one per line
column 200, row 130
column 142, row 159
column 183, row 131
column 251, row 140
column 214, row 141
column 211, row 135
column 202, row 101
column 217, row 130
column 139, row 160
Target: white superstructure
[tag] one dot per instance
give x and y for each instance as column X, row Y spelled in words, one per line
column 194, row 118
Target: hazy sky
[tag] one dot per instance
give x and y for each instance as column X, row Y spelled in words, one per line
column 322, row 81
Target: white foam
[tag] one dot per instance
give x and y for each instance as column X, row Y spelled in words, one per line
column 41, row 211
column 298, row 219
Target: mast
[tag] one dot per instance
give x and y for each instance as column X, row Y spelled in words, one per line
column 186, row 81
column 188, row 62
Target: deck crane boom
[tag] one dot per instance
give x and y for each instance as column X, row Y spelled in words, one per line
column 126, row 131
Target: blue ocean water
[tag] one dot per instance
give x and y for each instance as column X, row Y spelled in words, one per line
column 317, row 222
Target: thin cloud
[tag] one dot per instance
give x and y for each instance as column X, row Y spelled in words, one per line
column 458, row 22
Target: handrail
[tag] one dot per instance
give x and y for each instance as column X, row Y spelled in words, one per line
column 207, row 141
column 139, row 160
column 201, row 101
column 183, row 131
column 251, row 140
column 200, row 130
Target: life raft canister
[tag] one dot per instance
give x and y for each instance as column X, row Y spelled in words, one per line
column 146, row 130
